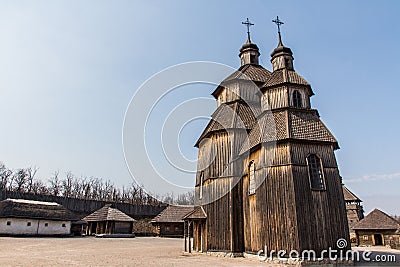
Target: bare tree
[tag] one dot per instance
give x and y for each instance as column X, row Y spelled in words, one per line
column 20, row 179
column 107, row 190
column 39, row 188
column 169, row 198
column 5, row 176
column 77, row 188
column 54, row 181
column 31, row 172
column 24, row 180
column 67, row 184
column 86, row 184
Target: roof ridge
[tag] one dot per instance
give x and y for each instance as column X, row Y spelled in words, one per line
column 347, row 190
column 377, row 219
column 387, row 215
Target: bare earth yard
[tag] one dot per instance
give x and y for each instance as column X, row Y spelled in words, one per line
column 90, row 251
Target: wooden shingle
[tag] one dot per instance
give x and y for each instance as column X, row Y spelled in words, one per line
column 108, row 213
column 172, row 214
column 377, row 220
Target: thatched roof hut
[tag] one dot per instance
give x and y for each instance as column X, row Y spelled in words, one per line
column 28, row 217
column 21, row 208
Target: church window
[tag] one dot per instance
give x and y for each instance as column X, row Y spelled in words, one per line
column 252, row 182
column 315, row 172
column 297, row 99
column 201, row 185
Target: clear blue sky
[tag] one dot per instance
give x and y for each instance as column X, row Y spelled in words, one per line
column 68, row 70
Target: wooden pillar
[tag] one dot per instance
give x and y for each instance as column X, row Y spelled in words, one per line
column 184, row 234
column 190, row 246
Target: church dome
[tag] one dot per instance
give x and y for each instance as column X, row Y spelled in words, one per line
column 249, row 53
column 248, row 45
column 280, row 50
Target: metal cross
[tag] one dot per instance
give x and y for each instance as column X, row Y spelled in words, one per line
column 248, row 25
column 278, row 23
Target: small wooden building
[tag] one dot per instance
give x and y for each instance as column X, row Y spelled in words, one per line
column 109, row 220
column 28, row 217
column 378, row 229
column 354, row 210
column 170, row 222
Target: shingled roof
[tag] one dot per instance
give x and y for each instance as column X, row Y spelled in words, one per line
column 308, row 126
column 377, row 220
column 283, row 76
column 108, row 213
column 234, row 115
column 248, row 72
column 349, row 196
column 21, row 208
column 305, row 125
column 252, row 72
column 197, row 214
column 172, row 214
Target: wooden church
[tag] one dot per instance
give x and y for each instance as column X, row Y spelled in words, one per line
column 267, row 173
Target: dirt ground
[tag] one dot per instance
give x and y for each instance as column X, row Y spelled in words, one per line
column 90, row 251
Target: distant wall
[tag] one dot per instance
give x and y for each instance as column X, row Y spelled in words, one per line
column 84, row 207
column 17, row 226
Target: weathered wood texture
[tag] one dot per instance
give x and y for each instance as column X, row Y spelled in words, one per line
column 284, row 212
column 280, row 97
column 321, row 214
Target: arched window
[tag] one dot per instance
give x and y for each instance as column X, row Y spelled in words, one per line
column 315, row 172
column 297, row 99
column 252, row 182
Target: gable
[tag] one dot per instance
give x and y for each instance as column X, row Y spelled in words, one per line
column 377, row 220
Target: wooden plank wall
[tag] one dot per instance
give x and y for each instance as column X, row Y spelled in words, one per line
column 285, row 213
column 269, row 214
column 322, row 218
